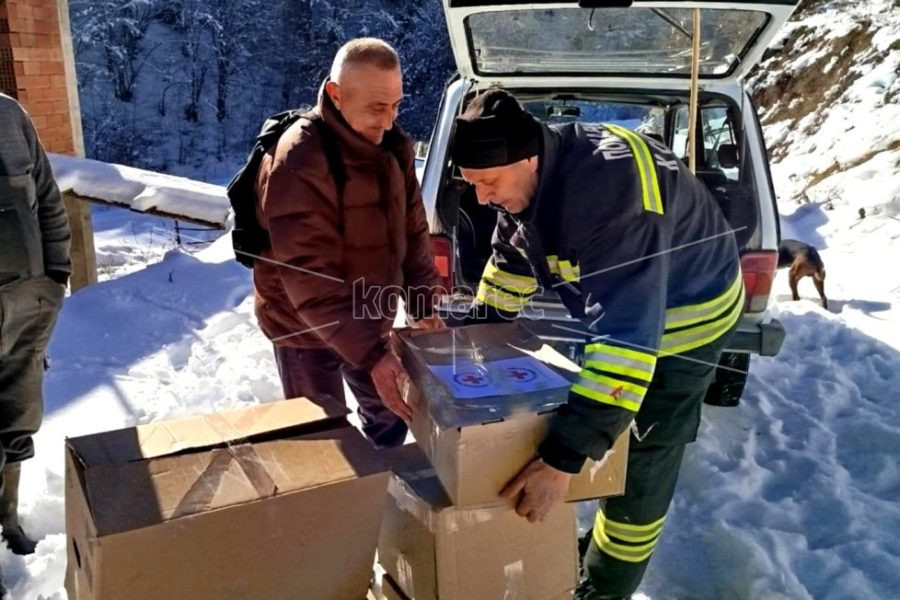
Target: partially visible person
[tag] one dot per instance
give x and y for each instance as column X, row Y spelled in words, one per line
column 329, row 243
column 34, row 272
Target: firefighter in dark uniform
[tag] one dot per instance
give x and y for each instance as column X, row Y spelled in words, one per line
column 641, row 254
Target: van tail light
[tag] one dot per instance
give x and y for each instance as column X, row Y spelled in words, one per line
column 759, row 272
column 443, row 259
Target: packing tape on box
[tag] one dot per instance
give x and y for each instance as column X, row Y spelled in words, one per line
column 461, row 519
column 408, row 501
column 514, row 576
column 201, row 493
column 454, row 519
column 405, row 578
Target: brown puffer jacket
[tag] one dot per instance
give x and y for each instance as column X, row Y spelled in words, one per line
column 322, row 246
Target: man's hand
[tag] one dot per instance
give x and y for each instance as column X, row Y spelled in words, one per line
column 541, row 487
column 389, row 376
column 432, row 322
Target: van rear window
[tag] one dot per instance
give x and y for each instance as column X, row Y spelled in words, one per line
column 605, row 41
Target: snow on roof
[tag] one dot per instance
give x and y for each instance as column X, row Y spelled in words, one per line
column 140, row 190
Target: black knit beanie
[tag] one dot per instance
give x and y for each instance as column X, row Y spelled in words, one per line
column 494, row 131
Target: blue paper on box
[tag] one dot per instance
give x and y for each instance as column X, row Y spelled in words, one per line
column 522, row 375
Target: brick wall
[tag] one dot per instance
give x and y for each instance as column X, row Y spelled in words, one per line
column 33, row 68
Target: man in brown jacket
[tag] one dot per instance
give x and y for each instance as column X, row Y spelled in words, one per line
column 317, row 287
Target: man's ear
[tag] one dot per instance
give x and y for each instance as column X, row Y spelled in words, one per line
column 334, row 92
column 533, row 163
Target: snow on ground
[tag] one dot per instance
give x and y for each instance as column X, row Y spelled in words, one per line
column 792, row 495
column 128, row 242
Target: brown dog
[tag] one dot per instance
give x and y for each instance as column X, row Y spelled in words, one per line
column 803, row 261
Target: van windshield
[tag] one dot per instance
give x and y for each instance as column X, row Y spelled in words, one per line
column 609, row 41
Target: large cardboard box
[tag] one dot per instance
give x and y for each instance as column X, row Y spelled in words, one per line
column 482, row 397
column 435, row 551
column 280, row 500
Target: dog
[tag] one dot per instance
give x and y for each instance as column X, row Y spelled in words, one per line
column 804, row 261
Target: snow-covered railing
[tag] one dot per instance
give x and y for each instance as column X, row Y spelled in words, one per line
column 140, row 190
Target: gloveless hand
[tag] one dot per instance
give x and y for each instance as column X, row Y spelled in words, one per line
column 537, row 490
column 389, row 378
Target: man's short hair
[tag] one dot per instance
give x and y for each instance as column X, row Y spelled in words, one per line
column 364, row 51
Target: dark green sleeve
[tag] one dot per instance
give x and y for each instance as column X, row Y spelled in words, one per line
column 52, row 217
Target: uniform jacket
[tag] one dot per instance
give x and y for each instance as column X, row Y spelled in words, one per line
column 637, row 249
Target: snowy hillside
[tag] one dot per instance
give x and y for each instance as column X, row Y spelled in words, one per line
column 182, row 87
column 793, row 495
column 829, row 97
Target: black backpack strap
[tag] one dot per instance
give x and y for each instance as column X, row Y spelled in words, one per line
column 275, row 126
column 332, row 151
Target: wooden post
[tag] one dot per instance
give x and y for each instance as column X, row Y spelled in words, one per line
column 83, row 252
column 695, row 93
column 84, row 259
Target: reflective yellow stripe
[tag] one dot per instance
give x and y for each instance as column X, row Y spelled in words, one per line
column 653, row 198
column 619, row 369
column 604, row 348
column 695, row 313
column 510, row 281
column 620, row 360
column 609, row 390
column 634, row 554
column 629, row 531
column 626, row 386
column 646, row 168
column 568, row 271
column 604, row 398
column 694, row 337
column 649, row 533
column 499, row 299
column 563, row 268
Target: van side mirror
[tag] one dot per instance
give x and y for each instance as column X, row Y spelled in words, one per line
column 420, row 148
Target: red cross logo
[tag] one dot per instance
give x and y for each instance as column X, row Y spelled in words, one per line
column 519, row 375
column 471, row 380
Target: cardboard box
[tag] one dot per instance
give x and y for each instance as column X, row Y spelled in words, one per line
column 478, row 444
column 280, row 500
column 435, row 551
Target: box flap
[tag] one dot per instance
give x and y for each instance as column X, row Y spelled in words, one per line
column 146, row 492
column 206, row 431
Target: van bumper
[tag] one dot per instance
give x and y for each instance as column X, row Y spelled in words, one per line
column 764, row 339
column 754, row 337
